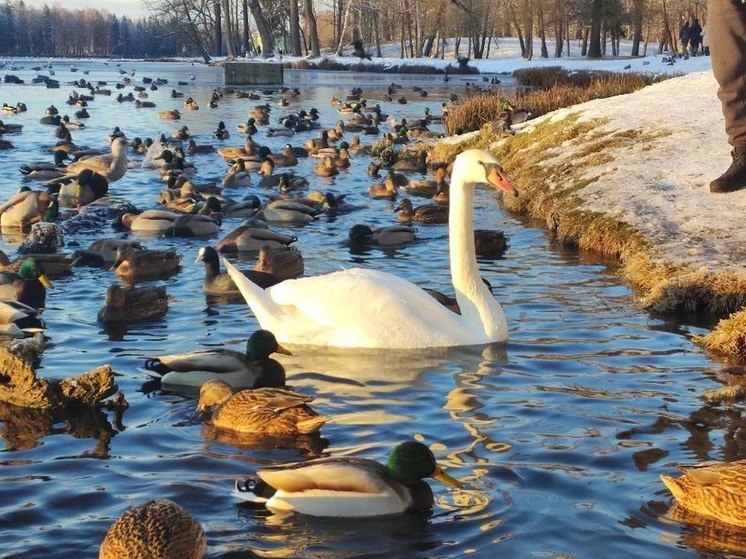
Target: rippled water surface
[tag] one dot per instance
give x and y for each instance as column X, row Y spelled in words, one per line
column 559, row 435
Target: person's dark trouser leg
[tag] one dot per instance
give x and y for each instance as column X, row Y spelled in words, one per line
column 726, row 20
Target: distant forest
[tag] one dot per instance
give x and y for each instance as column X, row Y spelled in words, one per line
column 56, row 31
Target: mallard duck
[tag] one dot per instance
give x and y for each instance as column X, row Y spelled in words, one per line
column 28, row 286
column 385, row 189
column 216, row 283
column 170, row 115
column 237, row 175
column 348, row 487
column 288, row 211
column 428, row 213
column 193, row 148
column 252, row 238
column 44, row 170
column 326, row 168
column 392, row 235
column 248, row 127
column 252, row 369
column 101, row 253
column 190, row 104
column 427, row 187
column 489, row 243
column 135, row 264
column 357, row 148
column 442, row 196
column 416, row 164
column 342, row 161
column 287, row 158
column 27, row 207
column 181, row 134
column 713, row 489
column 273, row 132
column 76, row 191
column 158, row 529
column 55, row 265
column 19, row 320
column 113, row 166
column 280, row 262
column 168, row 223
column 275, row 412
column 133, row 304
column 348, row 308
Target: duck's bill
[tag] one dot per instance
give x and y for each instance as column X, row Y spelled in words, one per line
column 45, row 282
column 496, row 178
column 283, row 350
column 443, row 477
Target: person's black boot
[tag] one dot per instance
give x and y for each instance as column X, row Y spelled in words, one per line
column 735, row 177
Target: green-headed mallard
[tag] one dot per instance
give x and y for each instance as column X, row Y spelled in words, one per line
column 55, row 265
column 392, row 235
column 252, row 369
column 714, row 489
column 276, row 412
column 252, row 238
column 19, row 320
column 27, row 207
column 158, row 529
column 133, row 304
column 348, row 487
column 45, row 170
column 28, row 286
column 81, row 189
column 139, row 264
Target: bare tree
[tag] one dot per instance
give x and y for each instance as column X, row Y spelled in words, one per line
column 295, row 47
column 313, row 30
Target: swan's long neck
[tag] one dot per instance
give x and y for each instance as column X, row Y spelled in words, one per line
column 479, row 309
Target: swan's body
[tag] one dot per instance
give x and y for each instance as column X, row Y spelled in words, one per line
column 374, row 309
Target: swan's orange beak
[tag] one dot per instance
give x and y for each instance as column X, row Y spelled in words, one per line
column 496, row 178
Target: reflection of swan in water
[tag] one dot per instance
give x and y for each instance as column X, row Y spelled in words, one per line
column 332, row 369
column 369, row 308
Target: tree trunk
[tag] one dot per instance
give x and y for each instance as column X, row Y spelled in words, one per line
column 247, row 46
column 229, row 30
column 518, row 31
column 542, row 31
column 343, row 29
column 638, row 8
column 377, row 35
column 313, row 29
column 218, row 28
column 262, row 26
column 594, row 46
column 295, row 49
column 529, row 18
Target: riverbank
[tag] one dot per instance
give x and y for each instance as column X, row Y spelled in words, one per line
column 628, row 177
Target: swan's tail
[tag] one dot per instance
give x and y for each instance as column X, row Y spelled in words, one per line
column 266, row 311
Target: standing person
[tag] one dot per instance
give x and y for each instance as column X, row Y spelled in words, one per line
column 695, row 36
column 684, row 37
column 726, row 23
column 705, row 40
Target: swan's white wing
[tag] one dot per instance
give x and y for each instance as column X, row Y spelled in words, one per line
column 363, row 308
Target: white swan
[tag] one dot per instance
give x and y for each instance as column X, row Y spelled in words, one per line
column 372, row 309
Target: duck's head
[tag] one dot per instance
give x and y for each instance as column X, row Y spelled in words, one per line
column 360, row 233
column 30, row 270
column 213, row 393
column 477, row 166
column 261, row 344
column 412, row 461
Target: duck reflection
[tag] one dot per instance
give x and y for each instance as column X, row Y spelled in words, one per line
column 310, row 446
column 23, row 428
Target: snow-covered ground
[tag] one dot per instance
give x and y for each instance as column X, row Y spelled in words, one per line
column 661, row 187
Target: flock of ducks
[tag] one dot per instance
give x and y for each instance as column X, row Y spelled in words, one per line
column 245, row 392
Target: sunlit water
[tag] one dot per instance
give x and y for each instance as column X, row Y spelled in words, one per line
column 559, row 436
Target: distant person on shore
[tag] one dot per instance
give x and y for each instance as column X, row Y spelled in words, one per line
column 705, row 40
column 695, row 36
column 684, row 37
column 726, row 22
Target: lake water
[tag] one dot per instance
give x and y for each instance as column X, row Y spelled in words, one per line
column 559, row 435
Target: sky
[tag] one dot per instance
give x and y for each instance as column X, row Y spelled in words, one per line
column 133, row 9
